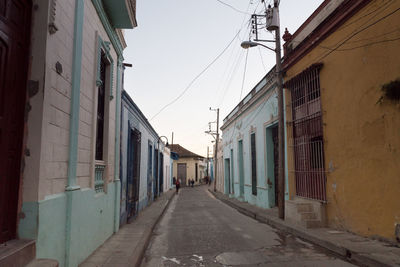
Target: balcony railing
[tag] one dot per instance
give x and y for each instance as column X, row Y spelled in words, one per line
column 99, row 177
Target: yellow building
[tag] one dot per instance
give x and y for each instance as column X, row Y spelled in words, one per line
column 343, row 126
column 189, row 166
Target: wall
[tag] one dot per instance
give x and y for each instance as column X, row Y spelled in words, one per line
column 190, row 169
column 256, row 118
column 44, row 208
column 167, row 169
column 361, row 129
column 137, row 121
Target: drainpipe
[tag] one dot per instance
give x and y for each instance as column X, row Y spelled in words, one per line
column 117, row 181
column 74, row 122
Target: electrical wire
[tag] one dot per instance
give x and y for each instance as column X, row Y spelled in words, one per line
column 364, row 45
column 356, row 33
column 232, row 7
column 262, row 59
column 197, row 76
column 244, row 74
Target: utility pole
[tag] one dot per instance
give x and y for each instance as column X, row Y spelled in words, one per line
column 215, row 135
column 281, row 133
column 208, row 163
column 216, row 152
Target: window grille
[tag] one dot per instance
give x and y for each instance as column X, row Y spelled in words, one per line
column 307, row 136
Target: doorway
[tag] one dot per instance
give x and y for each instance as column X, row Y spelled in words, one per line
column 182, row 173
column 275, row 141
column 227, row 176
column 241, row 168
column 272, row 161
column 14, row 51
column 133, row 174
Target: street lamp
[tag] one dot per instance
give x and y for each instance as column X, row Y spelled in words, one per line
column 248, row 44
column 281, row 134
column 165, row 138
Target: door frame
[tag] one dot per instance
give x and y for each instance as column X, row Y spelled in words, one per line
column 21, row 38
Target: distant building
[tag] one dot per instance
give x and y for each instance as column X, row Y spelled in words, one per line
column 189, row 166
column 249, row 134
column 342, row 71
column 167, row 169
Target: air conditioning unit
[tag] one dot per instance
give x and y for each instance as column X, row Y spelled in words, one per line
column 272, row 19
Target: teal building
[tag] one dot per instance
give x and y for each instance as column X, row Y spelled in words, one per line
column 250, row 141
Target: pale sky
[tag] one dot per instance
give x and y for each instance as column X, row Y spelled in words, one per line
column 176, row 40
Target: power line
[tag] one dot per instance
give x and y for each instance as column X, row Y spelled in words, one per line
column 262, row 60
column 232, row 7
column 197, row 76
column 364, row 45
column 357, row 32
column 244, row 74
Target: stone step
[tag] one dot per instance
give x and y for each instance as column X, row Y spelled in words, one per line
column 43, row 263
column 308, row 216
column 312, row 224
column 304, row 207
column 17, row 253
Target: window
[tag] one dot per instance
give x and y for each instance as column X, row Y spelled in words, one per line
column 316, row 153
column 101, row 92
column 197, row 170
column 253, row 164
column 232, row 175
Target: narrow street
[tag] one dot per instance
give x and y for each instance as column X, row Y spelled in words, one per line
column 199, row 230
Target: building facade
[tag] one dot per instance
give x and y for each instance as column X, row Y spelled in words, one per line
column 250, row 154
column 342, row 69
column 61, row 123
column 167, row 162
column 189, row 166
column 142, row 173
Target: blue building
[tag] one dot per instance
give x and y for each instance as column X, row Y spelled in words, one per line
column 250, row 142
column 141, row 161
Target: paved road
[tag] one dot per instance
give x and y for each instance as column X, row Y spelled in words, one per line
column 199, row 230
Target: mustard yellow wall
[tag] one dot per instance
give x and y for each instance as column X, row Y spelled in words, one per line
column 361, row 134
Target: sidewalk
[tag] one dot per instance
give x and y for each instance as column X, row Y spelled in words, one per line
column 357, row 249
column 127, row 246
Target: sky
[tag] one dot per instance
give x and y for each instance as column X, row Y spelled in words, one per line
column 186, row 58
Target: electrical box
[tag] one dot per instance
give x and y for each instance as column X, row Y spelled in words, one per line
column 272, row 19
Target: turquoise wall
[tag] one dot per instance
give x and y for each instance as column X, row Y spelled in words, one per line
column 92, row 223
column 258, row 118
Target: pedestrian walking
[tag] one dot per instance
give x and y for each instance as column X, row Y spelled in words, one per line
column 177, row 185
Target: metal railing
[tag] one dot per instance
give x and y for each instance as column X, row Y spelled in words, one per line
column 99, row 177
column 306, row 135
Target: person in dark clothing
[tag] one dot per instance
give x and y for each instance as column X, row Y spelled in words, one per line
column 177, row 185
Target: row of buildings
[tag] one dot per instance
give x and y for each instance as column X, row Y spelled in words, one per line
column 342, row 124
column 79, row 157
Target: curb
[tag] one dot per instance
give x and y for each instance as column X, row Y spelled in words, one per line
column 138, row 255
column 349, row 254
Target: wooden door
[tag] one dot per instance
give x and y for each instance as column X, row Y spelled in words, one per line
column 182, row 173
column 14, row 45
column 133, row 174
column 275, row 141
